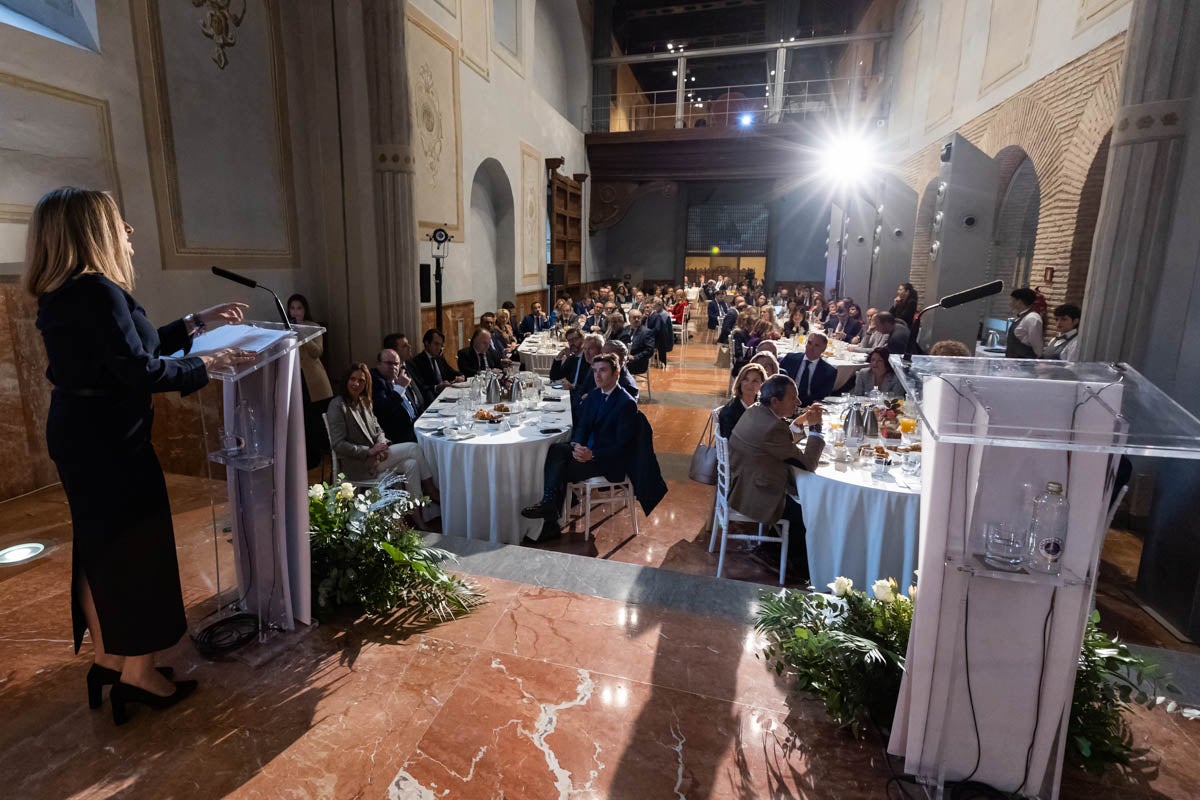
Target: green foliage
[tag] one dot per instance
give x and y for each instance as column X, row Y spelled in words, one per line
column 849, row 650
column 364, row 555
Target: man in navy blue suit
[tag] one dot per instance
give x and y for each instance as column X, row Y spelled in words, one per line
column 535, row 320
column 600, row 444
column 717, row 308
column 814, row 376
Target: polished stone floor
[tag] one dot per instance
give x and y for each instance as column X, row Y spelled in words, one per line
column 632, row 675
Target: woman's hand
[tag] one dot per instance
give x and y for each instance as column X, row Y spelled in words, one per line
column 223, row 314
column 226, row 359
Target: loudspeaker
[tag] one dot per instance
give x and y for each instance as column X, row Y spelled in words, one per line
column 556, row 274
column 426, row 284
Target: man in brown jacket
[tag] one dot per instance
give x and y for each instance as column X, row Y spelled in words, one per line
column 762, row 451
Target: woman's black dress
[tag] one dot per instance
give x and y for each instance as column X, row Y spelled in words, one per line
column 104, row 362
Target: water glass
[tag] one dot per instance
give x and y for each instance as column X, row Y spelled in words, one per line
column 1005, row 546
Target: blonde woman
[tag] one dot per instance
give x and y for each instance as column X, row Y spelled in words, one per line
column 745, row 394
column 504, row 338
column 105, row 362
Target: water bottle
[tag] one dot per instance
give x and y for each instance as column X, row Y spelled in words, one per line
column 247, row 427
column 1048, row 530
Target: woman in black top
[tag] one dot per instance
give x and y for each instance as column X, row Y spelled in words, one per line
column 905, row 305
column 797, row 325
column 745, row 394
column 105, row 361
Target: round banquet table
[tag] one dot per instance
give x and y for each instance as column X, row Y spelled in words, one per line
column 859, row 526
column 486, row 480
column 537, row 353
column 846, row 366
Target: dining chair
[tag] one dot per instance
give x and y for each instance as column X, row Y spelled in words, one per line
column 599, row 493
column 643, row 378
column 723, row 514
column 361, row 484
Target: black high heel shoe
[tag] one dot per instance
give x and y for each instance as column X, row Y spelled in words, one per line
column 98, row 677
column 123, row 694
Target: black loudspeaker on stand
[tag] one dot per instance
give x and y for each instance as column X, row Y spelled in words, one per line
column 556, row 275
column 426, row 280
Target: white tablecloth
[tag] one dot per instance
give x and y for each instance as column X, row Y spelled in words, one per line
column 862, row 527
column 537, row 353
column 485, row 481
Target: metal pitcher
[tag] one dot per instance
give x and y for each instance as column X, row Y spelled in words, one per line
column 494, row 389
column 859, row 423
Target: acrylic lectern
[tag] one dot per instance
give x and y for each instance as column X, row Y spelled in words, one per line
column 992, row 653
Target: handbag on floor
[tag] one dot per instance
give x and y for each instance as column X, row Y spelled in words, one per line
column 724, row 358
column 704, row 461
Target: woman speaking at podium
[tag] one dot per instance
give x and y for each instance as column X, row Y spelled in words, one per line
column 105, row 361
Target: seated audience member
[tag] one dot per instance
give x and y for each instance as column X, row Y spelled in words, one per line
column 718, row 307
column 679, row 309
column 430, row 367
column 639, row 300
column 479, row 356
column 659, row 322
column 602, row 443
column 614, row 327
column 767, row 346
column 949, row 347
column 504, row 338
column 878, row 376
column 403, row 348
column 847, row 326
column 593, row 343
column 869, row 338
column 487, row 322
column 767, row 361
column 797, row 324
column 762, row 451
column 536, row 320
column 580, row 307
column 905, row 305
column 740, row 348
column 395, row 397
column 624, row 377
column 745, row 394
column 361, row 445
column 814, row 377
column 729, row 323
column 641, row 343
column 595, row 321
column 894, row 329
column 1025, row 331
column 569, row 361
column 1065, row 344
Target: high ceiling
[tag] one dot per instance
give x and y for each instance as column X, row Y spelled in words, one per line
column 647, row 26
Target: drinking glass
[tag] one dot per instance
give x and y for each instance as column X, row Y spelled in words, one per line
column 1004, row 546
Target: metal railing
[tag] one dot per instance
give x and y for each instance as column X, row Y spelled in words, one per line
column 739, row 105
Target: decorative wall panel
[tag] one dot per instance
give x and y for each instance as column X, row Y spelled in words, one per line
column 507, row 33
column 947, row 54
column 533, row 212
column 1010, row 40
column 1092, row 11
column 475, row 35
column 437, row 133
column 218, row 138
column 51, row 137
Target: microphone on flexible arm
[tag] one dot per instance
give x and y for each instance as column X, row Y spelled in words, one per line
column 253, row 284
column 950, row 301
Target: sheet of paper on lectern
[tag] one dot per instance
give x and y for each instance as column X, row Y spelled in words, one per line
column 243, row 337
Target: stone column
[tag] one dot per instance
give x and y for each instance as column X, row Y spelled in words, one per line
column 1141, row 187
column 392, row 166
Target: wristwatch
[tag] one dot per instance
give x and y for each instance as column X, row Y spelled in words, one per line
column 194, row 323
column 814, row 428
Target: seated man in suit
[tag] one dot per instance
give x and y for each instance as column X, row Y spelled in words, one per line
column 567, row 364
column 762, row 451
column 896, row 331
column 395, row 397
column 399, row 342
column 717, row 308
column 814, row 376
column 479, row 356
column 641, row 343
column 430, row 367
column 625, row 380
column 536, row 320
column 593, row 343
column 600, row 444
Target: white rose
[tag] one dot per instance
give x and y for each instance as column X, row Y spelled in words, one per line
column 345, row 491
column 912, row 592
column 840, row 586
column 316, row 491
column 883, row 592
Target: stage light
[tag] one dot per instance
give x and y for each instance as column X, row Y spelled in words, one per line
column 849, row 160
column 670, row 45
column 19, row 553
column 746, row 120
column 716, row 251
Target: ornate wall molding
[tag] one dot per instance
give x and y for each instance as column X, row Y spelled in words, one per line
column 221, row 20
column 1145, row 122
column 533, row 211
column 178, row 252
column 611, row 200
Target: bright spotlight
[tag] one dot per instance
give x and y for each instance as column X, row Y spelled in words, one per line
column 849, row 161
column 746, row 120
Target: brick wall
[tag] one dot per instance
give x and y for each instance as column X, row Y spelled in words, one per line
column 1061, row 122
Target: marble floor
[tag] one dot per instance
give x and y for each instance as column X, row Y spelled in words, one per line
column 630, row 675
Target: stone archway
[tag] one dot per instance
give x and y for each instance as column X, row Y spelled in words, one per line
column 562, row 72
column 1085, row 224
column 923, row 237
column 491, row 237
column 1014, row 233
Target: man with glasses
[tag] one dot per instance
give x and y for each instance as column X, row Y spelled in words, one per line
column 395, row 399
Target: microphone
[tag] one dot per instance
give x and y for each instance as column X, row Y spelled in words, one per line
column 253, row 284
column 974, row 293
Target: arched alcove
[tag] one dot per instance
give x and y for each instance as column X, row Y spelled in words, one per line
column 1014, row 236
column 1085, row 223
column 923, row 237
column 561, row 70
column 491, row 237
